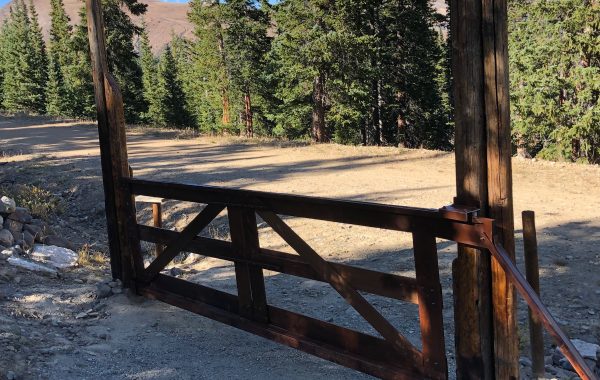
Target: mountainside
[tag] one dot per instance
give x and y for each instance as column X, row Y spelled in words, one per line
column 162, row 18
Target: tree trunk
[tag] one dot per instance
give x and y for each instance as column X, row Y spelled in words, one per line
column 401, row 122
column 319, row 130
column 248, row 117
column 376, row 112
column 226, row 119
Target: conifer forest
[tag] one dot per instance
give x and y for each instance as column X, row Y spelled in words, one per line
column 358, row 72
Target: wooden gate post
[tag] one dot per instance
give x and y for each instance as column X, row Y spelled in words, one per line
column 486, row 338
column 125, row 251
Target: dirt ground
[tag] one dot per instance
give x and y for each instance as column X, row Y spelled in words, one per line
column 133, row 338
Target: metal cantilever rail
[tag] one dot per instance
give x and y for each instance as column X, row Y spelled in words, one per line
column 538, row 308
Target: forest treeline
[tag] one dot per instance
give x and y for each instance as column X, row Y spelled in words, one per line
column 350, row 71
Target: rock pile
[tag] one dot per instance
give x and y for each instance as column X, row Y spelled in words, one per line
column 19, row 233
column 557, row 365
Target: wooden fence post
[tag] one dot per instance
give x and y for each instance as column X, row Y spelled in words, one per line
column 125, row 251
column 486, row 338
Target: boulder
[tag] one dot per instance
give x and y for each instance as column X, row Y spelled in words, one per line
column 21, row 214
column 33, row 229
column 57, row 257
column 7, row 205
column 587, row 350
column 30, row 265
column 58, row 241
column 13, row 225
column 6, row 238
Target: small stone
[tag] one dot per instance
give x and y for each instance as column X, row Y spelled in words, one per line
column 21, row 215
column 103, row 290
column 1, row 220
column 524, row 361
column 565, row 364
column 10, row 375
column 6, row 238
column 78, row 281
column 591, row 312
column 81, row 315
column 58, row 241
column 176, row 272
column 7, row 205
column 117, row 290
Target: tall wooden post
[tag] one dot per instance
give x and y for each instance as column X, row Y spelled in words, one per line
column 125, row 252
column 486, row 339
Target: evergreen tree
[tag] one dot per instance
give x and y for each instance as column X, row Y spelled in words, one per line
column 149, row 79
column 60, row 93
column 55, row 89
column 123, row 60
column 555, row 78
column 247, row 45
column 23, row 62
column 171, row 96
column 81, row 86
column 303, row 54
column 39, row 63
column 210, row 90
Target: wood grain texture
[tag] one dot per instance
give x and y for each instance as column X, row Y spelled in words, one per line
column 471, row 270
column 499, row 169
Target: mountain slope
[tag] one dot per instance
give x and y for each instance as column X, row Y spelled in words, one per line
column 162, row 18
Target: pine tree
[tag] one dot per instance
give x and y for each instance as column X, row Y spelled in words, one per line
column 24, row 62
column 555, row 78
column 170, row 92
column 302, row 51
column 149, row 79
column 60, row 94
column 123, row 60
column 211, row 94
column 247, row 45
column 39, row 63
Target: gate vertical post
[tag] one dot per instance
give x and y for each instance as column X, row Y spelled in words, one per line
column 119, row 206
column 471, row 270
column 486, row 339
column 500, row 193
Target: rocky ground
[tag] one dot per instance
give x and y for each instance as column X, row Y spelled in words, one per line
column 81, row 325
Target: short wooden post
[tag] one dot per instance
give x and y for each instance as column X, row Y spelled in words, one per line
column 536, row 336
column 157, row 221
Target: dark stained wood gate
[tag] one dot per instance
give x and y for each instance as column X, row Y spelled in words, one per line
column 389, row 356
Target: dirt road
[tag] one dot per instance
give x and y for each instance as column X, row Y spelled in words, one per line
column 147, row 340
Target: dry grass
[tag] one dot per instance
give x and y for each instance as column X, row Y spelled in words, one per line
column 90, row 257
column 40, row 202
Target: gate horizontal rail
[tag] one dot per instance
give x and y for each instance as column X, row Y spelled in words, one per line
column 390, row 356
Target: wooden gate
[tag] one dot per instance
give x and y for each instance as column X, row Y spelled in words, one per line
column 391, row 356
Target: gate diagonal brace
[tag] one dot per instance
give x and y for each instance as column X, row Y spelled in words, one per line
column 175, row 246
column 341, row 285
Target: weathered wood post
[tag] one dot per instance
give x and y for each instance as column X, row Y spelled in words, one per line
column 486, row 337
column 119, row 204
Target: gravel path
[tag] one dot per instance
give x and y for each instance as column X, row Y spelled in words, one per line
column 139, row 339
